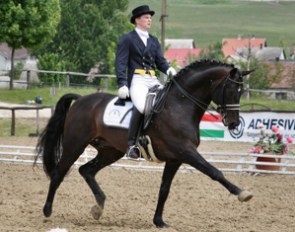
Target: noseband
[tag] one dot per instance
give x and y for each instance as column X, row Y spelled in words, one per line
column 221, row 109
column 224, row 108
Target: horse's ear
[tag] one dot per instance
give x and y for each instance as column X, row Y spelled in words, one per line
column 233, row 72
column 245, row 73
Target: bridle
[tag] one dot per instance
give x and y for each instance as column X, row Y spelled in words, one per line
column 221, row 109
column 224, row 108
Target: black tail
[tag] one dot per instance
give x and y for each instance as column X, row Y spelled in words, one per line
column 50, row 141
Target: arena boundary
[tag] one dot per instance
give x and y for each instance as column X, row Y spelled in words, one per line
column 224, row 161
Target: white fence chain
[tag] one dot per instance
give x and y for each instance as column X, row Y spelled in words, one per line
column 224, row 161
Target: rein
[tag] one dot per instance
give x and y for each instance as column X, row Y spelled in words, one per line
column 197, row 102
column 222, row 109
column 162, row 98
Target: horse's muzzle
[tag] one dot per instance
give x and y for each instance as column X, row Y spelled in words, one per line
column 233, row 125
column 231, row 120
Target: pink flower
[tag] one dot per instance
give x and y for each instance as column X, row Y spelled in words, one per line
column 279, row 137
column 260, row 126
column 272, row 143
column 289, row 139
column 257, row 149
column 275, row 129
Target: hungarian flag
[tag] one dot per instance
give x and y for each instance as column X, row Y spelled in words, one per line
column 212, row 127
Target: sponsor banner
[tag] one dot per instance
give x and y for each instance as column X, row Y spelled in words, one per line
column 213, row 128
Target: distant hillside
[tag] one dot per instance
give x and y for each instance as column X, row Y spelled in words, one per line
column 208, row 21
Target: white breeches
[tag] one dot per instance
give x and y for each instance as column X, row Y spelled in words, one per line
column 139, row 89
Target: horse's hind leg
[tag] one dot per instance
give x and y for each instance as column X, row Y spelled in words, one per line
column 56, row 177
column 105, row 157
column 168, row 175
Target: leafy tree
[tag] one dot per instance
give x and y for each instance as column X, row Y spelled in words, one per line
column 49, row 61
column 214, row 51
column 27, row 23
column 87, row 31
column 265, row 73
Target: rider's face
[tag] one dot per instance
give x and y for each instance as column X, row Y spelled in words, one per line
column 144, row 22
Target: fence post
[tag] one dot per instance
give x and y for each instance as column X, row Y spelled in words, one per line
column 28, row 78
column 106, row 83
column 37, row 122
column 12, row 133
column 68, row 80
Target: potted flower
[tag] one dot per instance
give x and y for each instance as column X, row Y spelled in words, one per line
column 270, row 143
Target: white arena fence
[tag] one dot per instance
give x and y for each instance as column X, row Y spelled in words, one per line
column 224, row 161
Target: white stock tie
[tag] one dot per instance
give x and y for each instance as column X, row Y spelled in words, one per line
column 144, row 35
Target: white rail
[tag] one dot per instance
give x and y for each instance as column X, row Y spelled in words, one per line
column 224, row 161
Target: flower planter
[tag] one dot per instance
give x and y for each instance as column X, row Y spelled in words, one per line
column 268, row 167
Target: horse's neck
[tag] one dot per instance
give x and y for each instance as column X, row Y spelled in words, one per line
column 192, row 105
column 199, row 85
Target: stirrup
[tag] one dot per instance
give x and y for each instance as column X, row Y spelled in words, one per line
column 133, row 152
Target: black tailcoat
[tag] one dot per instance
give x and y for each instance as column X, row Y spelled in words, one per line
column 132, row 54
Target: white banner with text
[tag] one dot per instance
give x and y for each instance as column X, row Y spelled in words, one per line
column 212, row 128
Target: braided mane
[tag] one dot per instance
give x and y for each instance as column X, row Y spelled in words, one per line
column 202, row 65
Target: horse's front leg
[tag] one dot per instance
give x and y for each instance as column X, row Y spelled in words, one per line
column 169, row 172
column 197, row 161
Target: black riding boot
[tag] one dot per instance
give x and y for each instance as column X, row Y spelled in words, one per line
column 135, row 124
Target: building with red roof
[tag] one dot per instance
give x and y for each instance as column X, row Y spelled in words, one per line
column 181, row 51
column 183, row 56
column 230, row 46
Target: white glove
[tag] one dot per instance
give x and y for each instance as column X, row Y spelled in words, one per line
column 171, row 71
column 123, row 92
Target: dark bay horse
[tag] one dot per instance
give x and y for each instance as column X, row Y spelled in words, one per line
column 174, row 131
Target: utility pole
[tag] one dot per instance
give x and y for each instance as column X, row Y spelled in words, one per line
column 248, row 68
column 163, row 29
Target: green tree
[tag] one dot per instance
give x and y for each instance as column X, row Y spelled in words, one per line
column 50, row 62
column 265, row 73
column 27, row 23
column 214, row 51
column 87, row 31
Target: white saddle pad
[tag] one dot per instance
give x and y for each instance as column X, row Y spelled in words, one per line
column 118, row 116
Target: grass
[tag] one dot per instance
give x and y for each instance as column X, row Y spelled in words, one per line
column 24, row 126
column 262, row 103
column 21, row 96
column 208, row 22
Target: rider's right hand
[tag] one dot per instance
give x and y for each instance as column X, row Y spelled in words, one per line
column 123, row 92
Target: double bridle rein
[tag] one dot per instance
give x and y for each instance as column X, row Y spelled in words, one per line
column 222, row 109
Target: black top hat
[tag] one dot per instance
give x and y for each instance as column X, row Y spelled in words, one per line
column 141, row 10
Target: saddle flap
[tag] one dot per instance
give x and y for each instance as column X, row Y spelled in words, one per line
column 118, row 113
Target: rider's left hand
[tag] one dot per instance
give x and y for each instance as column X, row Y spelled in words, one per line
column 171, row 71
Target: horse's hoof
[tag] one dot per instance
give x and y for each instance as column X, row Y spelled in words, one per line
column 96, row 212
column 160, row 223
column 245, row 196
column 47, row 210
column 163, row 226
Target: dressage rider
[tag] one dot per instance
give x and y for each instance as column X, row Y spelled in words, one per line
column 138, row 54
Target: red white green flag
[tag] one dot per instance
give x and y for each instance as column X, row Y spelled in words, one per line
column 212, row 127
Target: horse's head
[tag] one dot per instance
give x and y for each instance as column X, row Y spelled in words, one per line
column 225, row 83
column 227, row 97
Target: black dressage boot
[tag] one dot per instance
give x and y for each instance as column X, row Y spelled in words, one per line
column 135, row 124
